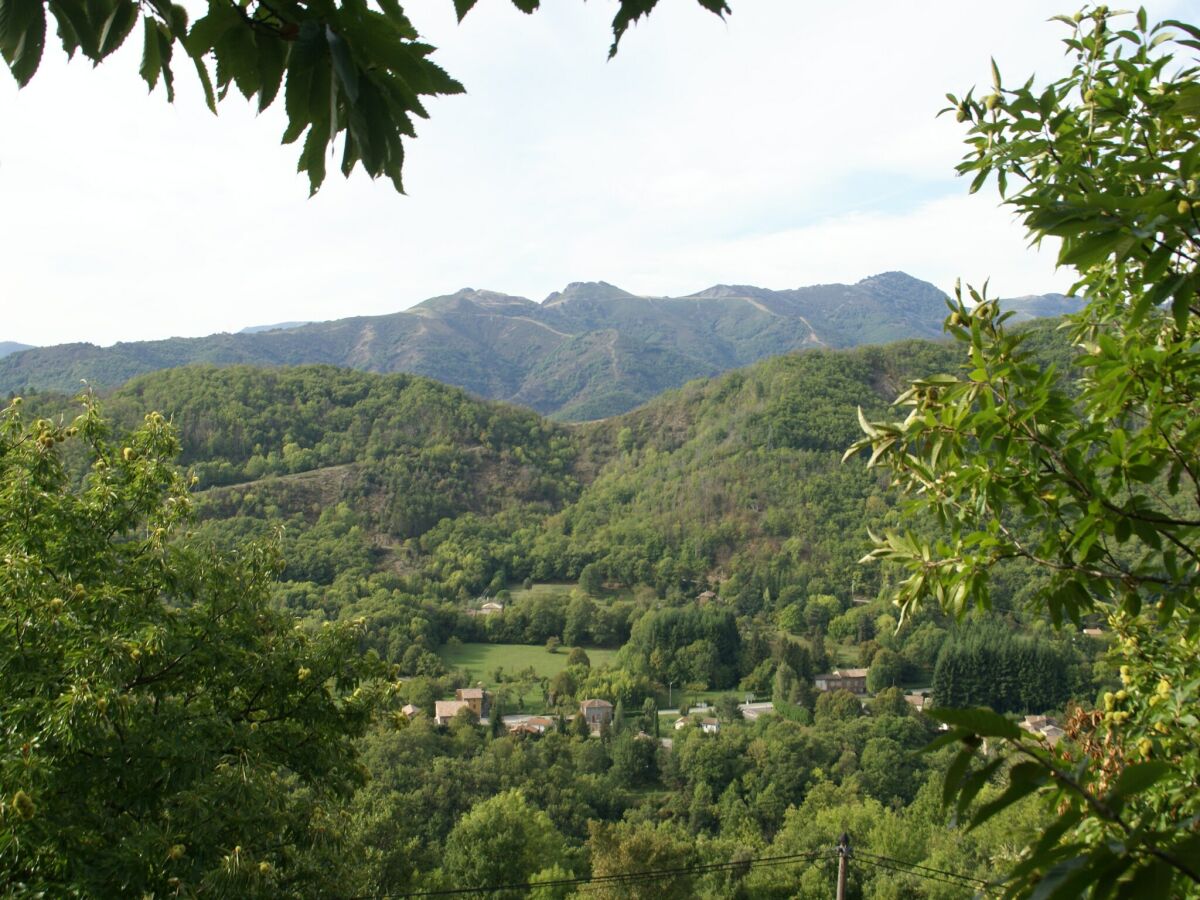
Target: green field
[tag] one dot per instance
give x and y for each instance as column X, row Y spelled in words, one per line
column 518, row 594
column 541, row 589
column 483, row 659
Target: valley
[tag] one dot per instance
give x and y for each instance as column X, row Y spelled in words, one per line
column 854, row 590
column 701, row 550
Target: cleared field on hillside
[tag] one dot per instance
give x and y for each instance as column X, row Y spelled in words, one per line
column 541, row 589
column 482, row 659
column 563, row 589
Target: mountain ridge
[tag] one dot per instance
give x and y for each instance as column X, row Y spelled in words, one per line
column 588, row 351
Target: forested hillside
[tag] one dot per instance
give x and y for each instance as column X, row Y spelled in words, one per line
column 393, row 493
column 732, row 482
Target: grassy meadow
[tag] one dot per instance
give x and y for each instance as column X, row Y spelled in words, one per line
column 483, row 659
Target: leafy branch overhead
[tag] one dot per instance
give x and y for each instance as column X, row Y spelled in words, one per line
column 1090, row 476
column 354, row 68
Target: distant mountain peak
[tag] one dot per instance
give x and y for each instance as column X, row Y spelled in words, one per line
column 7, row 347
column 278, row 326
column 467, row 297
column 725, row 292
column 891, row 279
column 586, row 290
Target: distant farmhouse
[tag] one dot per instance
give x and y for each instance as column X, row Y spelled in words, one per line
column 489, row 608
column 596, row 713
column 445, row 710
column 852, row 680
column 476, row 699
column 531, row 725
column 1045, row 727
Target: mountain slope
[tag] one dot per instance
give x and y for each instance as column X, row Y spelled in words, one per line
column 1041, row 305
column 588, row 351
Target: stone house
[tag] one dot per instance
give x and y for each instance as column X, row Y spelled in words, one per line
column 477, row 699
column 596, row 713
column 445, row 710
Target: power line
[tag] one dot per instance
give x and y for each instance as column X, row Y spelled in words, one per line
column 595, row 882
column 753, row 863
column 616, row 878
column 979, row 881
column 959, row 881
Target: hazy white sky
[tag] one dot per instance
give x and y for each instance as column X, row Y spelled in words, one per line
column 792, row 144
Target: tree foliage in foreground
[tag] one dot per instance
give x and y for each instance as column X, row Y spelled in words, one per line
column 1098, row 486
column 349, row 68
column 163, row 729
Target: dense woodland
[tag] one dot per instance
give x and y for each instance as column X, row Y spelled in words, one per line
column 396, row 503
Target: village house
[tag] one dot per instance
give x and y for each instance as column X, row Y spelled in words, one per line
column 852, row 680
column 409, row 711
column 535, row 725
column 916, row 701
column 477, row 699
column 682, row 722
column 445, row 710
column 1045, row 727
column 490, row 608
column 596, row 713
column 710, row 726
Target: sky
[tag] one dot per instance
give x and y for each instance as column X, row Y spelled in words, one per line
column 794, row 143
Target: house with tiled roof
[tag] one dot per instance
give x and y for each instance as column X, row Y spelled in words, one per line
column 445, row 710
column 477, row 698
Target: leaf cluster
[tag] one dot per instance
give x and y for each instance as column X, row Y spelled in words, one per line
column 353, row 69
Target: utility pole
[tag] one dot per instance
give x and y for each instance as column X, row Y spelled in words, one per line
column 843, row 857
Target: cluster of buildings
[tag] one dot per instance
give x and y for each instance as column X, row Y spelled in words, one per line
column 598, row 713
column 478, row 701
column 852, row 680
